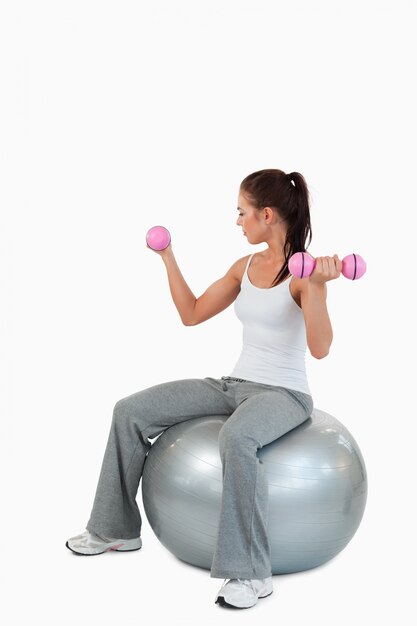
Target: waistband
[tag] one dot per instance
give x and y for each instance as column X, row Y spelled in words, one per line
column 242, row 380
column 239, row 380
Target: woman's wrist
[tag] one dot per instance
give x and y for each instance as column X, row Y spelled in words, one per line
column 167, row 255
column 317, row 287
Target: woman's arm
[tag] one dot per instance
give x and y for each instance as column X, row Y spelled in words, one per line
column 215, row 299
column 183, row 297
column 313, row 302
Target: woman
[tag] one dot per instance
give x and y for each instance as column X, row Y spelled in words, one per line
column 265, row 396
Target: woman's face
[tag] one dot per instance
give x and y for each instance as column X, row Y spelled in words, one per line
column 248, row 220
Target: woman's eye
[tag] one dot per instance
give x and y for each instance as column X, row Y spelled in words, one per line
column 240, row 214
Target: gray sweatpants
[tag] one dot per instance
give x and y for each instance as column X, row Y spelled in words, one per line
column 258, row 414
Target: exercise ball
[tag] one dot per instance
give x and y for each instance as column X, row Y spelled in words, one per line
column 317, row 491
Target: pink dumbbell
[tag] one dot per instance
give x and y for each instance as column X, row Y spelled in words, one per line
column 158, row 238
column 302, row 264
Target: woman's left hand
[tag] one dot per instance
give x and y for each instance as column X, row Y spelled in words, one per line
column 326, row 268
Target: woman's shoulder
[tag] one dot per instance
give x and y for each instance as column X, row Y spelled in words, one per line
column 297, row 286
column 238, row 267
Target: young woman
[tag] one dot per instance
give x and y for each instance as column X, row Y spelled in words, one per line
column 266, row 395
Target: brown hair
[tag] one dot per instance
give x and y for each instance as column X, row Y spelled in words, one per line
column 289, row 196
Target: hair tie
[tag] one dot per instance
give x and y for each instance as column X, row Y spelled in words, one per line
column 289, row 176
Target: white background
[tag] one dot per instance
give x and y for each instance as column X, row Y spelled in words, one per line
column 116, row 116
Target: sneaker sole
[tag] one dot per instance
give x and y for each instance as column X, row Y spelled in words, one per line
column 222, row 602
column 110, row 549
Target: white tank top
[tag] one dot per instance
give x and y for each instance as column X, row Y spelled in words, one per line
column 274, row 336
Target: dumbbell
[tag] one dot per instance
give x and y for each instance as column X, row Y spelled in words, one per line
column 158, row 238
column 302, row 264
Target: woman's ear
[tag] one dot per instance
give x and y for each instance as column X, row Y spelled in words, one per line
column 268, row 214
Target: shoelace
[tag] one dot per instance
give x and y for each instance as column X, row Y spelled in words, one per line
column 246, row 582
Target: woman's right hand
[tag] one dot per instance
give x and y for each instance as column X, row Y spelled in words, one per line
column 163, row 253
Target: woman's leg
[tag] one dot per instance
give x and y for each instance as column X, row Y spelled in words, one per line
column 136, row 418
column 242, row 549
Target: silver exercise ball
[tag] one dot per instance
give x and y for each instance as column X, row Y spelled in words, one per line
column 317, row 491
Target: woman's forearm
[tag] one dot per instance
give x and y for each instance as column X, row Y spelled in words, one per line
column 318, row 327
column 183, row 297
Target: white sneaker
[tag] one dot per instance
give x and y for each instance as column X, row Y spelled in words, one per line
column 89, row 544
column 243, row 594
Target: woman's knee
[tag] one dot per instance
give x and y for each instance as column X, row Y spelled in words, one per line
column 126, row 412
column 232, row 439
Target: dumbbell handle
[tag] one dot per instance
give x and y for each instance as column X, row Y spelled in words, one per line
column 302, row 264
